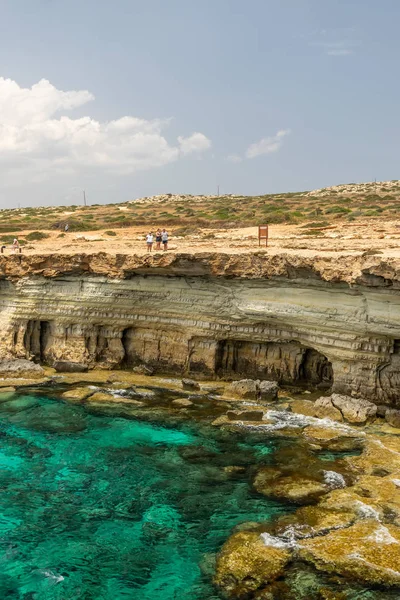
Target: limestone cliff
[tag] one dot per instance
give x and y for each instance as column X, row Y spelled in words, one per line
column 290, row 318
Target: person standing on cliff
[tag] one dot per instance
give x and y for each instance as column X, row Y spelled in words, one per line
column 149, row 241
column 158, row 239
column 164, row 238
column 15, row 245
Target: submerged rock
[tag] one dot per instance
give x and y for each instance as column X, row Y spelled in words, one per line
column 245, row 564
column 367, row 551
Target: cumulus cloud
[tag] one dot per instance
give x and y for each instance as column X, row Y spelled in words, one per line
column 35, row 133
column 267, row 145
column 197, row 142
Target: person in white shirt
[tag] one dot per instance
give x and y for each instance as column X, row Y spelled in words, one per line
column 149, row 241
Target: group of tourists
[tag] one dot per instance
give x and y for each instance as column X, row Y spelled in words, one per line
column 161, row 237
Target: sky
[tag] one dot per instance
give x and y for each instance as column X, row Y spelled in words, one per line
column 128, row 98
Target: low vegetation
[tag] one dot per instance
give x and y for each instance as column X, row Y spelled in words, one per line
column 312, row 210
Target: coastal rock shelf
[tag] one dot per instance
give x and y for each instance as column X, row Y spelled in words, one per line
column 334, row 323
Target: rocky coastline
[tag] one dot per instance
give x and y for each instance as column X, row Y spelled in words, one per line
column 276, row 345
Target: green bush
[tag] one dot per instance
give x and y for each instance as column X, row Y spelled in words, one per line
column 37, row 235
column 110, row 233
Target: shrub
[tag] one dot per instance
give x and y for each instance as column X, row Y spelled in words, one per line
column 110, row 233
column 37, row 235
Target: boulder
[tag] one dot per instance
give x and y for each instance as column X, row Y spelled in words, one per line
column 67, row 366
column 189, row 384
column 246, row 563
column 245, row 415
column 143, row 370
column 295, row 488
column 245, row 388
column 324, row 409
column 182, row 402
column 354, row 410
column 381, row 410
column 392, row 416
column 368, row 552
column 345, row 408
column 20, row 368
column 268, row 391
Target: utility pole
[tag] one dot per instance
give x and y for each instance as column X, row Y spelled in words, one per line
column 84, row 198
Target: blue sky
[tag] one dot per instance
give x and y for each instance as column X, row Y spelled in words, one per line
column 142, row 98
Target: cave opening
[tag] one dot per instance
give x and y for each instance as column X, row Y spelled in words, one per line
column 316, row 369
column 36, row 338
column 286, row 362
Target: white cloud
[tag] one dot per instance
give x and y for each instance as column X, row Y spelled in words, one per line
column 267, row 145
column 36, row 135
column 197, row 142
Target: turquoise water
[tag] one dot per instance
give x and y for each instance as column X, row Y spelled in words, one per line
column 105, row 508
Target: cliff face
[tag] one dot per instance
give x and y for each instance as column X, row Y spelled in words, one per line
column 275, row 317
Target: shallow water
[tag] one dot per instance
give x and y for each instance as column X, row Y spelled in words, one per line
column 95, row 506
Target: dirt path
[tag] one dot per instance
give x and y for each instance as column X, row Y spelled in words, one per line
column 292, row 239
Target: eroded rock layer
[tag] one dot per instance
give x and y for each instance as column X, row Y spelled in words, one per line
column 267, row 317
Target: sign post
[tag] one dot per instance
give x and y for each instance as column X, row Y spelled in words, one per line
column 263, row 234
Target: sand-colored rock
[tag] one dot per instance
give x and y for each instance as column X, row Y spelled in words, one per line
column 245, row 564
column 335, row 439
column 367, row 551
column 182, row 403
column 245, row 388
column 245, row 415
column 295, row 488
column 78, row 394
column 101, row 397
column 303, row 407
column 324, row 409
column 309, row 521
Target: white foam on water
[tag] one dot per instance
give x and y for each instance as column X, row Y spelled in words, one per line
column 382, row 535
column 52, row 576
column 334, row 480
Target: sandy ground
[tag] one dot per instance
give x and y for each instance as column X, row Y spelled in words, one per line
column 345, row 238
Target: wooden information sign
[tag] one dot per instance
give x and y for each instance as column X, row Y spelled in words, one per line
column 263, row 234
